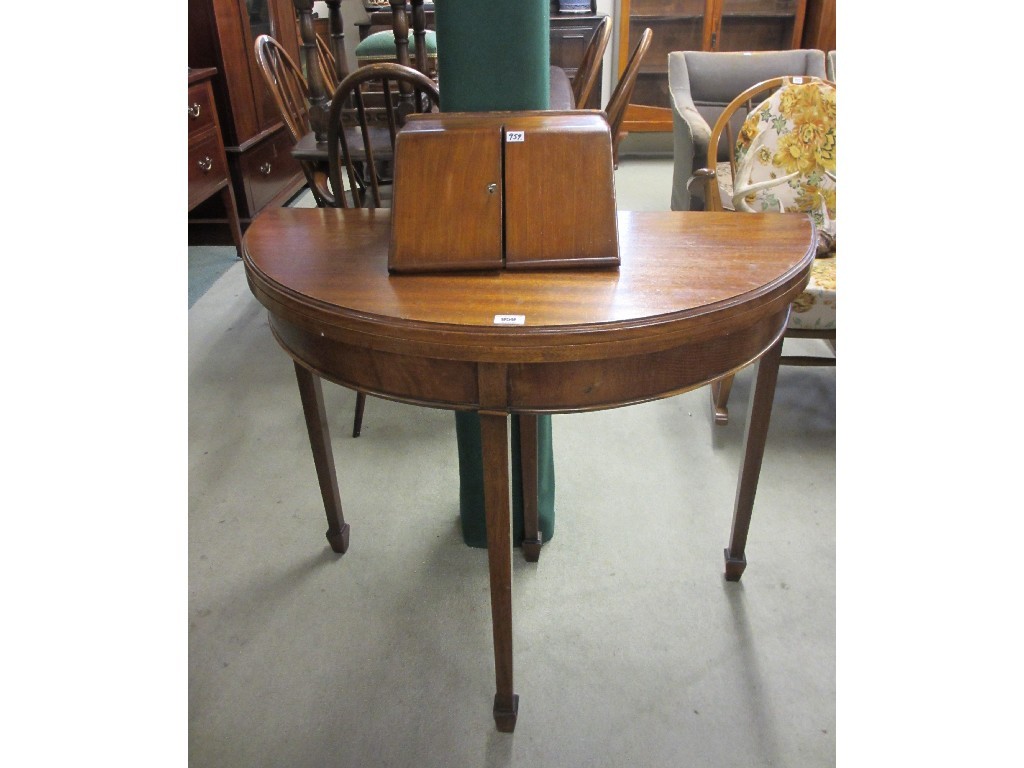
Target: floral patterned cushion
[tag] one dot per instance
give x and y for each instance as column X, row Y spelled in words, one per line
column 815, row 308
column 786, row 161
column 724, row 173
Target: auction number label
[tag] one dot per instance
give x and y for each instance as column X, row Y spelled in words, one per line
column 515, row 136
column 510, row 319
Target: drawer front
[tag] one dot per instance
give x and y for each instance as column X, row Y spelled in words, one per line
column 567, row 47
column 268, row 168
column 201, row 113
column 207, row 167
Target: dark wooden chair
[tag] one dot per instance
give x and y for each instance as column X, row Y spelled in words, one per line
column 287, row 85
column 371, row 102
column 776, row 166
column 586, row 74
column 616, row 108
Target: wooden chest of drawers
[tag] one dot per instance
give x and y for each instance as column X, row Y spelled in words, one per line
column 207, row 163
column 221, row 35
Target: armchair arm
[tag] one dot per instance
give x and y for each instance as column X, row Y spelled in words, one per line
column 708, row 178
column 690, row 137
column 690, row 133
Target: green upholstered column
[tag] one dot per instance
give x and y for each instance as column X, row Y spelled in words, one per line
column 495, row 56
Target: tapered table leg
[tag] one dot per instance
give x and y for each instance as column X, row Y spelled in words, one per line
column 494, row 442
column 312, row 395
column 528, row 467
column 758, row 415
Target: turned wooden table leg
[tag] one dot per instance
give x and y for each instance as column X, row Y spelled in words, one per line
column 312, row 395
column 528, row 467
column 494, row 442
column 758, row 415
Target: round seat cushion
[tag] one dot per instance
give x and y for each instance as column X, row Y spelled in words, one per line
column 380, row 46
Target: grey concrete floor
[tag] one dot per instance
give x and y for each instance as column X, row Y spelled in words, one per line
column 630, row 648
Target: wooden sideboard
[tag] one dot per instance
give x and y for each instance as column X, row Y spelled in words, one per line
column 207, row 163
column 221, row 34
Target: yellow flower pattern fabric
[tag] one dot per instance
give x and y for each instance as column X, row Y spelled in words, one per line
column 794, row 132
column 815, row 308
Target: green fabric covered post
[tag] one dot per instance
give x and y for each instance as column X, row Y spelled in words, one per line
column 492, row 57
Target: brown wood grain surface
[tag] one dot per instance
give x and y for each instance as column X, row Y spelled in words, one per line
column 333, row 263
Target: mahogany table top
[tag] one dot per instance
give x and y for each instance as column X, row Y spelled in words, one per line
column 674, row 265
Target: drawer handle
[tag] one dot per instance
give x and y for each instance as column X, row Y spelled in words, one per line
column 206, row 163
column 193, row 111
column 265, row 169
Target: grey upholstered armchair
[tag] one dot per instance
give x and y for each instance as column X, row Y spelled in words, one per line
column 701, row 84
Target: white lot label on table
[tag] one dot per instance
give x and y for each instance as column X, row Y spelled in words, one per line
column 510, row 319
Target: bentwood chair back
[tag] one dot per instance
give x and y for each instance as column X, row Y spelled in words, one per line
column 367, row 109
column 783, row 160
column 328, row 68
column 701, row 84
column 586, row 75
column 291, row 95
column 616, row 109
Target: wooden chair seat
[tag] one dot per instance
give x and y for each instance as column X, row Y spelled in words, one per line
column 561, row 92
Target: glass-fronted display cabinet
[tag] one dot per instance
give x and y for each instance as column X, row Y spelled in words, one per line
column 700, row 25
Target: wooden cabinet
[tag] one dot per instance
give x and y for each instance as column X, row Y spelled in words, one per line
column 570, row 33
column 221, row 34
column 207, row 164
column 524, row 217
column 698, row 25
column 820, row 25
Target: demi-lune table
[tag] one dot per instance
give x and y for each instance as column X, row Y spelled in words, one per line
column 697, row 295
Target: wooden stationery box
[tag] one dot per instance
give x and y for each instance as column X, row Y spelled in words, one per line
column 493, row 190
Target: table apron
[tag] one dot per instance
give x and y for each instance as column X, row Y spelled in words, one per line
column 531, row 387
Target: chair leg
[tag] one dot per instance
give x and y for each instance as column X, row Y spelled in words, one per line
column 357, row 422
column 720, row 389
